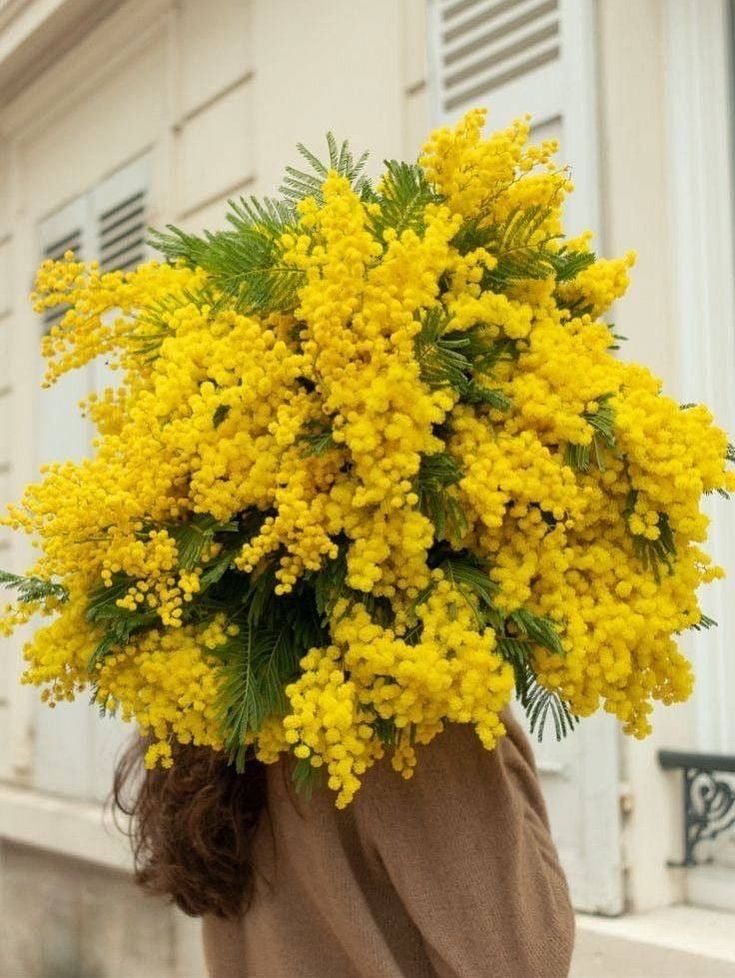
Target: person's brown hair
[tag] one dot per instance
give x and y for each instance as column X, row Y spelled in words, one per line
column 191, row 826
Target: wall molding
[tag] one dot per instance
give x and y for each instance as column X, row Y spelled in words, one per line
column 34, row 35
column 207, row 103
column 76, row 829
column 221, row 195
column 130, row 28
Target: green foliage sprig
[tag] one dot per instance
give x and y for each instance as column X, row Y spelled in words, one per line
column 32, row 589
column 437, row 474
column 602, row 421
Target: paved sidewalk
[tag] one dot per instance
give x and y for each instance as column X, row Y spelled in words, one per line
column 678, row 942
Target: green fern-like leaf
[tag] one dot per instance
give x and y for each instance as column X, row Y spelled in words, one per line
column 541, row 704
column 192, row 537
column 306, row 778
column 299, row 184
column 386, row 730
column 654, row 554
column 537, row 629
column 32, row 589
column 246, row 265
column 268, row 214
column 402, row 196
column 330, row 584
column 464, row 573
column 118, row 624
column 520, row 249
column 602, row 421
column 617, row 338
column 232, row 542
column 437, row 474
column 119, row 631
column 449, row 358
column 259, row 662
column 518, row 636
column 256, row 666
column 102, row 601
column 519, row 253
column 567, row 265
column 704, row 624
column 317, row 439
column 476, row 393
column 153, row 323
column 441, row 358
column 478, row 589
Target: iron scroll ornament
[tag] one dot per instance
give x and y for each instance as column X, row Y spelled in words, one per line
column 708, row 797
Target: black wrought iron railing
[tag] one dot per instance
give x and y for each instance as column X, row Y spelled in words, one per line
column 708, row 798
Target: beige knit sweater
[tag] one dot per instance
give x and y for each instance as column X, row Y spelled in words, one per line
column 452, row 874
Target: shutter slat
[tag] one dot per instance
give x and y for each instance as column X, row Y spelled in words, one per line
column 56, row 251
column 121, row 233
column 494, row 56
column 500, row 31
column 124, row 218
column 487, row 82
column 121, row 207
column 486, row 44
column 455, row 8
column 125, row 256
column 70, row 242
column 130, row 235
column 487, row 14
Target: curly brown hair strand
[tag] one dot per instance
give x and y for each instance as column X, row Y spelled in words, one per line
column 191, row 826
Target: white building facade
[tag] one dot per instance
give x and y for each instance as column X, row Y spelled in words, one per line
column 119, row 114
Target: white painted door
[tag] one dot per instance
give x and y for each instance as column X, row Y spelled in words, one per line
column 74, row 748
column 538, row 57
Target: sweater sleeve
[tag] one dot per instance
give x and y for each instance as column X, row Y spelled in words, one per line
column 465, row 843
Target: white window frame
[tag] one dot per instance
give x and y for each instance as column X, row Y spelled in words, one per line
column 700, row 112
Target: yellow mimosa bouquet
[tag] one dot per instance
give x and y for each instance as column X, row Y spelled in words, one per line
column 373, row 466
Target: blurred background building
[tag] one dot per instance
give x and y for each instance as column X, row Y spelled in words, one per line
column 117, row 114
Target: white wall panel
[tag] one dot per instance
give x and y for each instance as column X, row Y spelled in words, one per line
column 212, row 216
column 416, row 122
column 5, row 328
column 118, row 121
column 6, row 300
column 215, row 48
column 217, row 152
column 413, row 40
column 5, row 200
column 321, row 65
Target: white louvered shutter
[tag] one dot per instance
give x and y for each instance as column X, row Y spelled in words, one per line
column 74, row 747
column 498, row 51
column 518, row 56
column 538, row 56
column 63, row 232
column 120, row 207
column 62, row 735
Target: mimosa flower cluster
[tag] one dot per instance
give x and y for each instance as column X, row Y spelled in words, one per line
column 373, row 466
